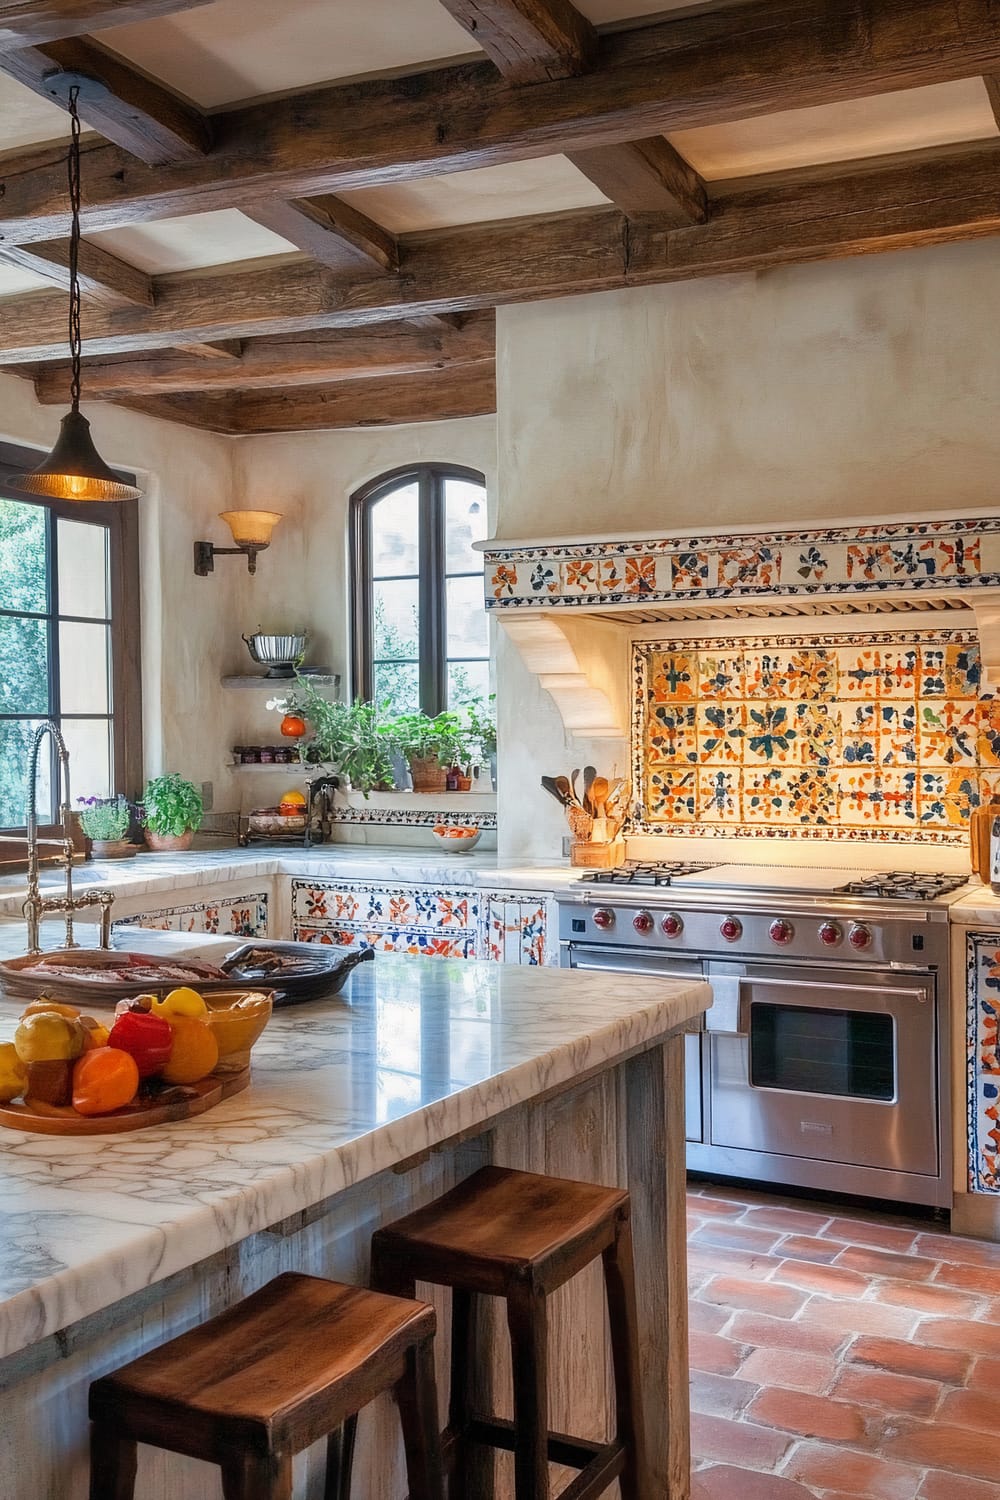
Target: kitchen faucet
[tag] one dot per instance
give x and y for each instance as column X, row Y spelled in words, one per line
column 35, row 904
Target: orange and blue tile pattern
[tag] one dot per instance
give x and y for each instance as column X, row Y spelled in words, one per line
column 876, row 737
column 982, row 963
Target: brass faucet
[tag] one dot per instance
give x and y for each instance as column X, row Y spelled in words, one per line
column 35, row 904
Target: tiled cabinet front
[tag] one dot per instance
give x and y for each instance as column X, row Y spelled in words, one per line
column 507, row 926
column 982, row 968
column 238, row 916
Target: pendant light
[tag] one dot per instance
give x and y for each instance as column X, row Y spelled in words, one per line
column 74, row 470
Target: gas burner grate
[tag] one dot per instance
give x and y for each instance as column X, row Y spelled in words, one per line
column 903, row 885
column 637, row 873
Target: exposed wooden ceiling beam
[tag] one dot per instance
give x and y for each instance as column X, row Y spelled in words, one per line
column 103, row 277
column 324, row 356
column 25, row 23
column 144, row 118
column 436, row 397
column 992, row 82
column 926, row 199
column 529, row 40
column 646, row 177
column 226, row 352
column 693, row 69
column 331, row 231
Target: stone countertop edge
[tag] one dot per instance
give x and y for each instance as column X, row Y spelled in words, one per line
column 135, row 1253
column 979, row 905
column 162, row 873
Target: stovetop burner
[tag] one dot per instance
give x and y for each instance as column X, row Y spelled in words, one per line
column 903, row 885
column 636, row 873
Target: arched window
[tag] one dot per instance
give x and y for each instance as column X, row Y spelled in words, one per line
column 420, row 631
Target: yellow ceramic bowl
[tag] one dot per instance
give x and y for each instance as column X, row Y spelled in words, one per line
column 237, row 1017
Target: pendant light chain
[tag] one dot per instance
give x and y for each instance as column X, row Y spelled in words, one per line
column 73, row 170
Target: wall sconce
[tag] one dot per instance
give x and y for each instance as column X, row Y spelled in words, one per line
column 251, row 532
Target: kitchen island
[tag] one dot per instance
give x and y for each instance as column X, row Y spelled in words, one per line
column 361, row 1108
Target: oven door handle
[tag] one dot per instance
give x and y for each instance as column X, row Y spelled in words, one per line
column 854, row 996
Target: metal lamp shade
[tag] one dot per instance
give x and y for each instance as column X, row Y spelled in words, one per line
column 74, row 470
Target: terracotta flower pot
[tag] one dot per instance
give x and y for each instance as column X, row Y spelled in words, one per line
column 169, row 843
column 427, row 775
column 112, row 849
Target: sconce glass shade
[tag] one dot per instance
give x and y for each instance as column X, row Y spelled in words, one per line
column 251, row 528
column 74, row 470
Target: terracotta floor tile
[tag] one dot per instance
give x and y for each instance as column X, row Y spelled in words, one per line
column 934, row 1445
column 955, row 1333
column 717, row 1259
column 979, row 1410
column 726, row 1483
column 862, row 1474
column 946, row 1365
column 972, row 1278
column 720, row 1395
column 778, row 1333
column 707, row 1317
column 736, row 1237
column 714, row 1355
column 959, row 1250
column 721, row 1208
column 871, row 1262
column 829, row 1281
column 938, row 1486
column 985, row 1375
column 741, row 1443
column 790, row 1220
column 877, row 1236
column 896, row 1393
column 790, row 1368
column 926, row 1297
column 808, row 1247
column 754, row 1296
column 859, row 1317
column 810, row 1416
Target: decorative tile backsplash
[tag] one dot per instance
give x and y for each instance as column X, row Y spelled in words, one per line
column 876, row 736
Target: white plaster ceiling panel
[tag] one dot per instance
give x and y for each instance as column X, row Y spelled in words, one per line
column 26, row 120
column 546, row 185
column 937, row 115
column 13, row 281
column 237, row 49
column 215, row 239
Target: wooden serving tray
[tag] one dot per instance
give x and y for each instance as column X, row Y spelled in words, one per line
column 53, row 1119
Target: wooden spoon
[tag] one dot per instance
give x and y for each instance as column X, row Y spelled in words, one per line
column 563, row 785
column 589, row 772
column 599, row 789
column 551, row 785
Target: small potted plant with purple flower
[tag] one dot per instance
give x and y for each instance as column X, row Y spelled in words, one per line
column 105, row 821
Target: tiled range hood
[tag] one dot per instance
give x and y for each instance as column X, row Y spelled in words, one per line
column 537, row 590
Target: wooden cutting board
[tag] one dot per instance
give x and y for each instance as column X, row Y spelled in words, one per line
column 53, row 1119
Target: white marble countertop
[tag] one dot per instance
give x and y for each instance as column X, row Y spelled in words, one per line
column 341, row 1091
column 979, row 905
column 159, row 873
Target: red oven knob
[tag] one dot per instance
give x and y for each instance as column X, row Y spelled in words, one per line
column 860, row 936
column 731, row 929
column 781, row 931
column 672, row 925
column 830, row 934
column 604, row 918
column 643, row 922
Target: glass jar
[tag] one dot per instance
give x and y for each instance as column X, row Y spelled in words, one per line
column 251, row 755
column 267, row 755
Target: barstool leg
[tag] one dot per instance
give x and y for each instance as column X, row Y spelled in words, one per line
column 528, row 1325
column 416, row 1394
column 619, row 1282
column 257, row 1476
column 340, row 1461
column 112, row 1464
column 459, row 1408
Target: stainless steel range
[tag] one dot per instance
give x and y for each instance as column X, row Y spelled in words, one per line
column 824, row 1061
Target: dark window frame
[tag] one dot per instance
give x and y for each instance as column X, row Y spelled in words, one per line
column 122, row 521
column 431, row 574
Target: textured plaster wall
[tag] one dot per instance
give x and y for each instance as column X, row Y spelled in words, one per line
column 809, row 394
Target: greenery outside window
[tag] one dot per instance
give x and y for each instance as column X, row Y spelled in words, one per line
column 421, row 638
column 69, row 643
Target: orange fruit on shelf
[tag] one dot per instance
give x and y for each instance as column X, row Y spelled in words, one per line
column 292, row 727
column 195, row 1051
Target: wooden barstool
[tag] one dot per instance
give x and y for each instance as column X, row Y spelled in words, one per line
column 520, row 1236
column 254, row 1386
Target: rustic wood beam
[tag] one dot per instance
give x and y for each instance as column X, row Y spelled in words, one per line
column 646, row 177
column 321, row 357
column 992, row 82
column 26, row 23
column 693, row 69
column 529, row 40
column 224, row 353
column 103, row 277
column 436, row 397
column 927, row 199
column 144, row 118
column 331, row 231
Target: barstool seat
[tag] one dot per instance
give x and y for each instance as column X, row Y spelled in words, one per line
column 520, row 1236
column 254, row 1386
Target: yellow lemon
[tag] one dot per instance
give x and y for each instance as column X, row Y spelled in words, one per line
column 180, row 1002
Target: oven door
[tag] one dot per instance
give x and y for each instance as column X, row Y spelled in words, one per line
column 622, row 961
column 833, row 1066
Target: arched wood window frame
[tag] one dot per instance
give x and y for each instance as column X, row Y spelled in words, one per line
column 432, row 644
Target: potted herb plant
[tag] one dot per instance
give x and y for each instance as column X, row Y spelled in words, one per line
column 105, row 821
column 481, row 715
column 349, row 736
column 430, row 747
column 172, row 812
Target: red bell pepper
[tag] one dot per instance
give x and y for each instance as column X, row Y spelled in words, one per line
column 148, row 1039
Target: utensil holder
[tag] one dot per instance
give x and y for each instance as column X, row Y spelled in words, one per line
column 591, row 856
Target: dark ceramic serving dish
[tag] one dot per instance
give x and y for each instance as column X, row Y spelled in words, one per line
column 294, row 971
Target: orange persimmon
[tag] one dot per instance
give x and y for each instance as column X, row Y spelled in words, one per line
column 105, row 1079
column 293, row 727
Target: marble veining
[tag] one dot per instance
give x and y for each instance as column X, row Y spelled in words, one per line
column 412, row 1055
